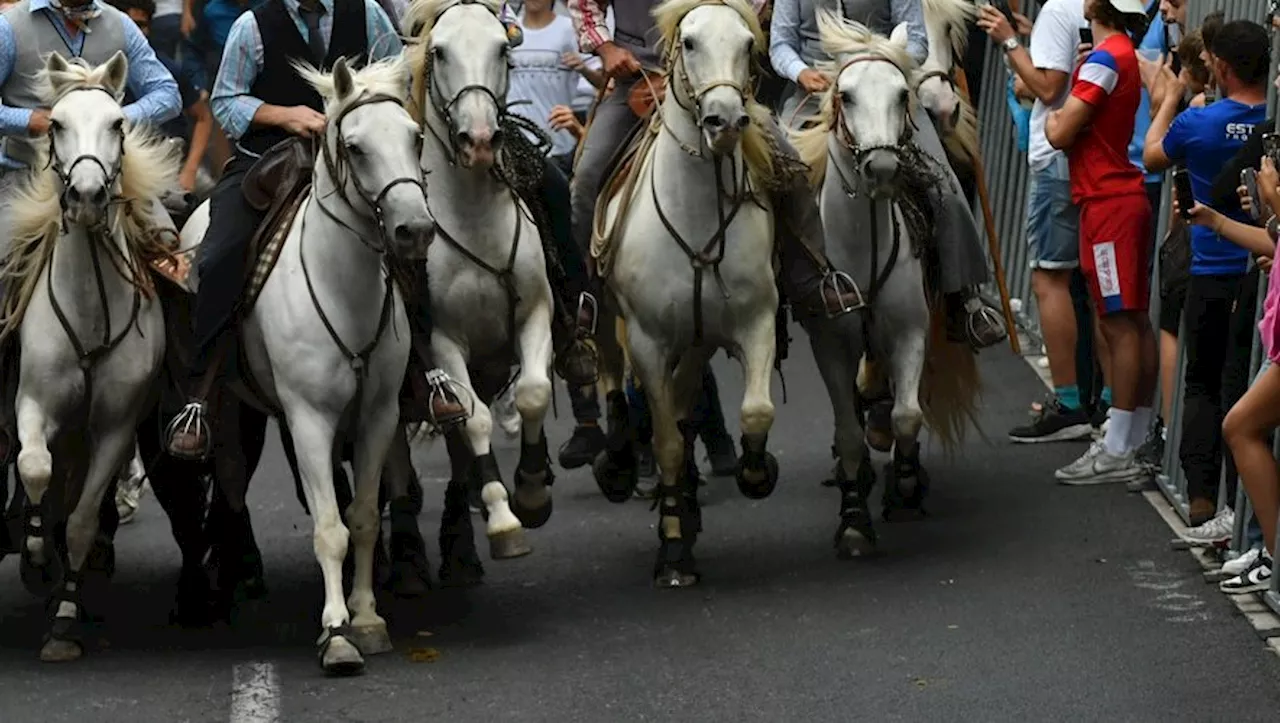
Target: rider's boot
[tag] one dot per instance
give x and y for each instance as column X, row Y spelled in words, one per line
column 971, row 321
column 813, row 287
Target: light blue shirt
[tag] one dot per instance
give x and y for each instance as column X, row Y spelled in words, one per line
column 1153, row 40
column 784, row 34
column 149, row 81
column 242, row 60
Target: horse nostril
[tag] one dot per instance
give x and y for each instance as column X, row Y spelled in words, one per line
column 464, row 138
column 495, row 141
column 99, row 197
column 403, row 234
column 73, row 194
column 713, row 122
column 744, row 120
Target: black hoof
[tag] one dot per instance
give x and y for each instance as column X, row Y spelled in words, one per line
column 462, row 573
column 904, row 493
column 855, row 540
column 669, row 578
column 616, row 477
column 759, row 482
column 534, row 518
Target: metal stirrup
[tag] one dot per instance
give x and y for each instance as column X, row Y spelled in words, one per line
column 841, row 283
column 442, row 386
column 587, row 300
column 191, row 420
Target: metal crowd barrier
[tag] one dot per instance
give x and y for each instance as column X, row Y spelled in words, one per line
column 1006, row 170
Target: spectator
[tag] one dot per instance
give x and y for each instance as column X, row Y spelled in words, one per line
column 214, row 25
column 1152, row 42
column 169, row 40
column 591, row 78
column 541, row 77
column 1052, row 220
column 195, row 126
column 1204, row 139
column 1095, row 126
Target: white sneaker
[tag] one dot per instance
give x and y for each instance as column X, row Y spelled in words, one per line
column 1214, row 532
column 1098, row 466
column 1256, row 579
column 1241, row 564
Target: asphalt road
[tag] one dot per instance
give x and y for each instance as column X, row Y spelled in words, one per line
column 1016, row 600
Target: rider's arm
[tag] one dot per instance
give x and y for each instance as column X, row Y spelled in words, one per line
column 153, row 86
column 233, row 107
column 384, row 41
column 911, row 12
column 589, row 20
column 13, row 121
column 784, row 40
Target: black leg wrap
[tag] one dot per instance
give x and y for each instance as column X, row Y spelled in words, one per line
column 679, row 522
column 906, row 486
column 533, row 477
column 484, row 469
column 757, row 474
column 38, row 579
column 459, row 562
column 856, row 535
column 615, row 467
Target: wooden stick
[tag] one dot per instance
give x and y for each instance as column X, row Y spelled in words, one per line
column 993, row 242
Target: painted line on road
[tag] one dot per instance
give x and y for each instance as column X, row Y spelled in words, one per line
column 255, row 693
column 1264, row 622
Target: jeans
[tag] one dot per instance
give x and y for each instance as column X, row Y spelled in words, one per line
column 166, row 38
column 1208, row 338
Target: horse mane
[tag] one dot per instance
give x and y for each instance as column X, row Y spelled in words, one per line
column 962, row 143
column 384, row 77
column 148, row 170
column 757, row 142
column 951, row 17
column 420, row 19
column 841, row 39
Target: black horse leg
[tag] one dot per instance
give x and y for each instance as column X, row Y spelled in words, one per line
column 410, row 569
column 459, row 562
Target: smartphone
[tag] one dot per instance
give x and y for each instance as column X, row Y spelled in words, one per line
column 1271, row 146
column 1182, row 191
column 1249, row 179
column 1086, row 36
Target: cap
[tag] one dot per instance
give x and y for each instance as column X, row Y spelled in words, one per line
column 1130, row 7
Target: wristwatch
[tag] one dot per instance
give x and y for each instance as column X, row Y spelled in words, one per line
column 1010, row 44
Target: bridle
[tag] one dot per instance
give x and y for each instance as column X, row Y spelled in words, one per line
column 675, row 60
column 338, row 163
column 111, row 175
column 444, row 106
column 857, row 150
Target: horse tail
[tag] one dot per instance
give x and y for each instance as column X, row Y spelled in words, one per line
column 962, row 142
column 951, row 385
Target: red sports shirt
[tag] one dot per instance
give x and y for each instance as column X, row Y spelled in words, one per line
column 1108, row 80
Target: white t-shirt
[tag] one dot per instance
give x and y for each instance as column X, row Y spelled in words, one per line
column 1053, row 47
column 167, row 7
column 539, row 76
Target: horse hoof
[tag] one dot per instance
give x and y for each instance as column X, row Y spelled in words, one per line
column 61, row 651
column 40, row 580
column 616, row 481
column 758, row 484
column 508, row 545
column 904, row 495
column 670, row 578
column 854, row 543
column 371, row 639
column 339, row 657
column 531, row 518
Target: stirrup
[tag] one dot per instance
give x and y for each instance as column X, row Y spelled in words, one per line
column 984, row 316
column 442, row 387
column 841, row 283
column 587, row 302
column 190, row 422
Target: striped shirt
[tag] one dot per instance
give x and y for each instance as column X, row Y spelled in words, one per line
column 233, row 104
column 589, row 20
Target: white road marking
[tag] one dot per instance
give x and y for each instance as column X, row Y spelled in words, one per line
column 255, row 693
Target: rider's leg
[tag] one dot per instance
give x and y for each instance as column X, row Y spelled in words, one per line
column 221, row 262
column 810, row 283
column 446, row 407
column 961, row 256
column 575, row 360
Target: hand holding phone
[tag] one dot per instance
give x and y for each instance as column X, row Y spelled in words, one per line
column 1086, row 36
column 1182, row 192
column 1271, row 146
column 1249, row 180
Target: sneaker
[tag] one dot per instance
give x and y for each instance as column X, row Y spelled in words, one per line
column 581, row 449
column 1098, row 466
column 1217, row 531
column 1256, row 579
column 1100, row 421
column 1052, row 422
column 1241, row 565
column 1151, row 453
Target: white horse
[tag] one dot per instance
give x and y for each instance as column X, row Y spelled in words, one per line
column 859, row 152
column 947, row 24
column 92, row 332
column 490, row 298
column 327, row 340
column 691, row 245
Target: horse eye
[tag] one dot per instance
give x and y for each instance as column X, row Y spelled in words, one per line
column 902, row 96
column 847, row 97
column 438, row 54
column 354, row 149
column 118, row 125
column 688, row 43
column 55, row 125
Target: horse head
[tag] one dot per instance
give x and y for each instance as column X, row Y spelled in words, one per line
column 871, row 97
column 947, row 23
column 86, row 133
column 370, row 152
column 708, row 48
column 464, row 77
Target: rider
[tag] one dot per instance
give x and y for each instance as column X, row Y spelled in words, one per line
column 260, row 100
column 86, row 29
column 795, row 50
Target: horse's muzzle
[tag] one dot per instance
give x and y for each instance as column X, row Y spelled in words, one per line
column 477, row 146
column 880, row 169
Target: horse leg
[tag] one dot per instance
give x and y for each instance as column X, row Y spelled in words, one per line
column 110, row 451
column 877, row 400
column 459, row 562
column 503, row 528
column 234, row 556
column 615, row 467
column 39, row 564
column 854, row 476
column 313, row 433
column 380, row 423
column 757, row 473
column 532, row 502
column 906, row 482
column 410, row 569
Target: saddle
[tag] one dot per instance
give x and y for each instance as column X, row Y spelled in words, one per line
column 620, row 179
column 647, row 93
column 276, row 186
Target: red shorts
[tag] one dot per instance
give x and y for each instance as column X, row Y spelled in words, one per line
column 1115, row 252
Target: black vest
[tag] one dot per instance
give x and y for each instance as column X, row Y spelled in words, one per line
column 278, row 83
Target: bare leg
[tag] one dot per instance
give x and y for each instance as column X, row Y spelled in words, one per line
column 1168, row 374
column 1057, row 322
column 1246, row 429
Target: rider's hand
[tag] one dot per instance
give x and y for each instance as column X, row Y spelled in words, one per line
column 38, row 125
column 812, row 81
column 187, row 179
column 618, row 62
column 304, row 121
column 994, row 23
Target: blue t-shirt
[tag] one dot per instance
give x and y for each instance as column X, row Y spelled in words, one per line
column 1153, row 40
column 1204, row 140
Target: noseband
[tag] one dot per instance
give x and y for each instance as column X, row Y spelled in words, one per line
column 339, row 165
column 64, row 174
column 675, row 59
column 445, row 106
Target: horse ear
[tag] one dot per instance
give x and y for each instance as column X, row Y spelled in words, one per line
column 343, row 84
column 55, row 65
column 117, row 74
column 899, row 36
